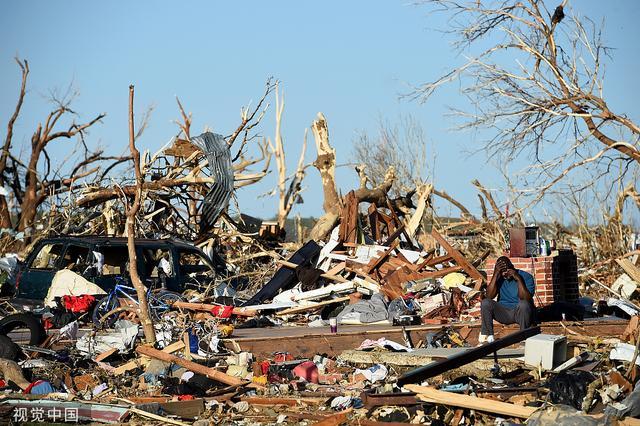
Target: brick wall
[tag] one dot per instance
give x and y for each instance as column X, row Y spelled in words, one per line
column 556, row 276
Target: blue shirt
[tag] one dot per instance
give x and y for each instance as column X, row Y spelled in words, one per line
column 508, row 296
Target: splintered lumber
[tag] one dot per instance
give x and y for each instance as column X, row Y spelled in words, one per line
column 212, row 373
column 375, row 263
column 435, row 396
column 372, row 400
column 327, row 275
column 157, row 417
column 337, row 269
column 335, row 419
column 306, row 308
column 106, row 354
column 136, row 362
column 439, row 367
column 207, row 307
column 632, row 270
column 349, row 219
column 459, row 259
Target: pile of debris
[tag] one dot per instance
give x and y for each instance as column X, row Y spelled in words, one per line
column 367, row 327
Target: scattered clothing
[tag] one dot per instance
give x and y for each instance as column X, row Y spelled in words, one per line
column 366, row 311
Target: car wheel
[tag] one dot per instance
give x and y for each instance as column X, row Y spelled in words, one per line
column 24, row 321
column 103, row 307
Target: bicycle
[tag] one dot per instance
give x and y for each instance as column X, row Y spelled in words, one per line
column 159, row 303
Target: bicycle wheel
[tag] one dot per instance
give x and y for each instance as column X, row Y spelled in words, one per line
column 103, row 307
column 160, row 303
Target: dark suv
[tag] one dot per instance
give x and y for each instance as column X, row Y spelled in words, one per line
column 167, row 263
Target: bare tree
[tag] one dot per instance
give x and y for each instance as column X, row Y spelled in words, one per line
column 333, row 202
column 30, row 182
column 132, row 211
column 287, row 195
column 178, row 177
column 402, row 146
column 538, row 87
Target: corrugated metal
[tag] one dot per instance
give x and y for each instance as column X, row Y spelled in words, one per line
column 217, row 152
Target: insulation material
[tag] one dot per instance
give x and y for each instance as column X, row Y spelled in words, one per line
column 66, row 282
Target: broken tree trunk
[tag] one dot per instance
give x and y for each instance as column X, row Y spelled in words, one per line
column 145, row 318
column 326, row 165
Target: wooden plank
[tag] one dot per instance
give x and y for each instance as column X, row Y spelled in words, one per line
column 207, row 307
column 337, row 269
column 106, row 354
column 335, row 419
column 459, row 259
column 212, row 373
column 429, row 394
column 393, row 236
column 375, row 263
column 426, row 260
column 439, row 259
column 349, row 219
column 441, row 272
column 299, row 309
column 136, row 362
column 187, row 346
column 164, row 420
column 187, row 409
column 632, row 270
column 373, row 222
column 403, row 229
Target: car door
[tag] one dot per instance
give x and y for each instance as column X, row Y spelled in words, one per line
column 38, row 273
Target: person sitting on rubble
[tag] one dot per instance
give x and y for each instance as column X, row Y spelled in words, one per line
column 515, row 289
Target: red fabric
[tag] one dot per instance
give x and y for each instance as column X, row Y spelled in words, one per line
column 222, row 311
column 186, row 397
column 47, row 324
column 28, row 389
column 78, row 304
column 283, row 357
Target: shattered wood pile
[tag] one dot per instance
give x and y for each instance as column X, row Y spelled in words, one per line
column 372, row 320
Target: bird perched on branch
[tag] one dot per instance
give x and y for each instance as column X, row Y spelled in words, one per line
column 558, row 15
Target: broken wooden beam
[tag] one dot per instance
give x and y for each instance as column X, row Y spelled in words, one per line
column 135, row 363
column 439, row 367
column 375, row 263
column 459, row 259
column 207, row 307
column 306, row 308
column 372, row 400
column 435, row 396
column 211, row 373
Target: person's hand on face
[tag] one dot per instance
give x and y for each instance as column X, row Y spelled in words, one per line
column 499, row 269
column 509, row 273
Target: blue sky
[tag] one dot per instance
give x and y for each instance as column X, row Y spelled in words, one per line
column 350, row 60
